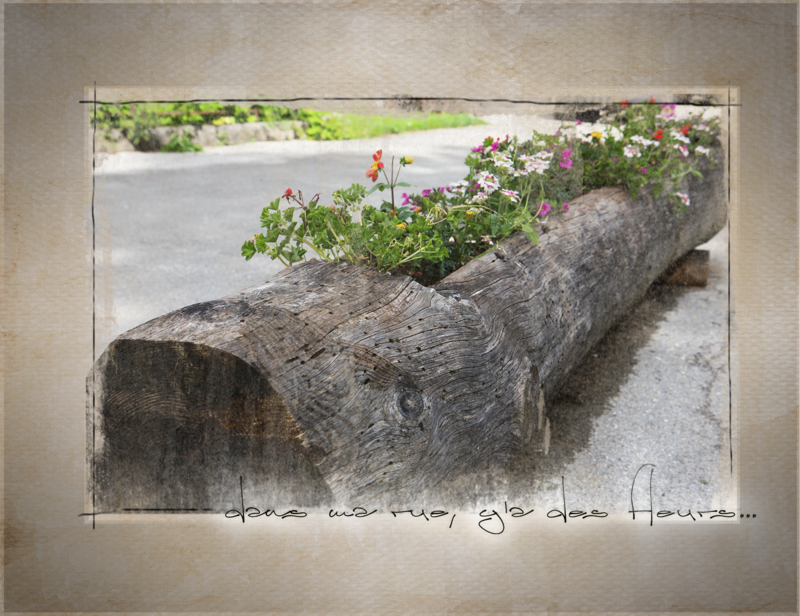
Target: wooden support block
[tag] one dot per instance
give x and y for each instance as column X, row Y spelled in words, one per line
column 691, row 270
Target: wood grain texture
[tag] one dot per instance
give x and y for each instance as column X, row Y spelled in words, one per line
column 331, row 383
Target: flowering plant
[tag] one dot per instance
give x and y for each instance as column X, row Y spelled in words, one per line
column 649, row 144
column 510, row 186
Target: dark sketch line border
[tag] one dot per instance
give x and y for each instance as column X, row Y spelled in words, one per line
column 94, row 102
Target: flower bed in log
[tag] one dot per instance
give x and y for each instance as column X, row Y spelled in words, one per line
column 333, row 383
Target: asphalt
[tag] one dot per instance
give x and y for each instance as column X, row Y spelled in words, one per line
column 653, row 392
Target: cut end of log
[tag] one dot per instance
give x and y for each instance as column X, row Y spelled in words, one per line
column 691, row 270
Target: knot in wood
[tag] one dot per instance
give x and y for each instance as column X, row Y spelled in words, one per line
column 410, row 403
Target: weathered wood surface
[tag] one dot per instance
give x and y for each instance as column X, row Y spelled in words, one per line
column 331, row 383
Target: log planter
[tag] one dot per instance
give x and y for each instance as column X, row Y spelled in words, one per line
column 331, row 384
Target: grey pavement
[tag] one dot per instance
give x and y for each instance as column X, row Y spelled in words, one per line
column 654, row 391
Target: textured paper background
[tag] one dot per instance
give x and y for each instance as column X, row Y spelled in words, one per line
column 54, row 53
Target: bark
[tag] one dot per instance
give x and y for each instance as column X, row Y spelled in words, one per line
column 331, row 383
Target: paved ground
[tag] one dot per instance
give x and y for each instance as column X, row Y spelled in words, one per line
column 654, row 391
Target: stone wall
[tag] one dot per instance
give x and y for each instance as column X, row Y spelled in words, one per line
column 206, row 136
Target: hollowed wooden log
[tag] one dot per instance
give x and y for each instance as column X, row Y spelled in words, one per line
column 332, row 383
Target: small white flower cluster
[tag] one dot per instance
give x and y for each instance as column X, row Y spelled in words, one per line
column 584, row 132
column 459, row 188
column 632, row 151
column 479, row 198
column 501, row 159
column 679, row 136
column 511, row 194
column 487, row 181
column 643, row 141
column 702, row 150
column 683, row 197
column 681, row 148
column 539, row 163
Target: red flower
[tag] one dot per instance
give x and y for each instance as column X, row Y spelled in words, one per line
column 658, row 134
column 685, row 129
column 652, row 99
column 377, row 164
column 287, row 194
column 624, row 103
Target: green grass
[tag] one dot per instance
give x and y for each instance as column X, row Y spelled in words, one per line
column 355, row 126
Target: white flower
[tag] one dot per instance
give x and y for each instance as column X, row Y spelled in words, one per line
column 585, row 132
column 702, row 150
column 682, row 149
column 478, row 198
column 538, row 165
column 702, row 127
column 512, row 194
column 487, row 181
column 643, row 141
column 631, row 151
column 683, row 197
column 535, row 163
column 679, row 136
column 458, row 188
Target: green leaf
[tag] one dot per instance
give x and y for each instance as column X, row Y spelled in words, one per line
column 248, row 250
column 403, row 184
column 379, row 186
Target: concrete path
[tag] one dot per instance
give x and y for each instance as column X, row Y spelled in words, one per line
column 653, row 392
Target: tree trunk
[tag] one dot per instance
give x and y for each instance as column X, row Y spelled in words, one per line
column 331, row 383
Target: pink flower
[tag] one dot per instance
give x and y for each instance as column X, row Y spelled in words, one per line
column 544, row 209
column 644, row 169
column 566, row 207
column 406, row 198
column 426, row 192
column 566, row 161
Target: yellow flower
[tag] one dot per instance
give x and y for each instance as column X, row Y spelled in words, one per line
column 401, row 226
column 469, row 214
column 597, row 134
column 407, row 160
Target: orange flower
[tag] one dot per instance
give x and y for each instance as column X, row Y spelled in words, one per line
column 624, row 103
column 376, row 164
